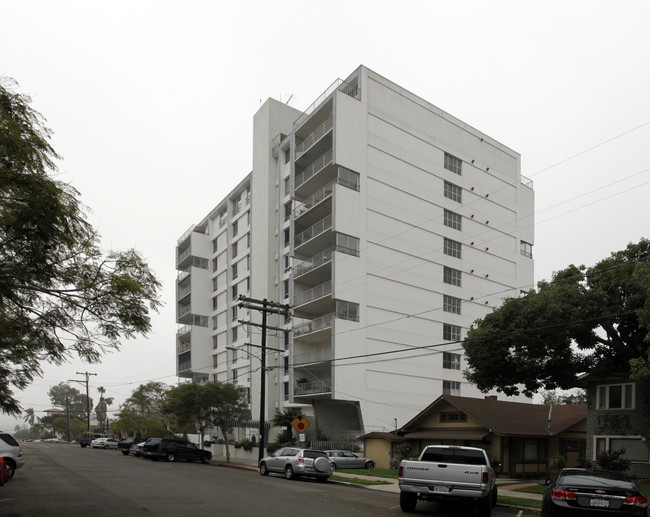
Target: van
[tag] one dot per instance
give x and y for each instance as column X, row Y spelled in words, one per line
column 11, row 452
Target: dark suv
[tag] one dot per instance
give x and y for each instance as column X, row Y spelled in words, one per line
column 173, row 449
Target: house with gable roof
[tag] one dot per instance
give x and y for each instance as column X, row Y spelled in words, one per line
column 521, row 436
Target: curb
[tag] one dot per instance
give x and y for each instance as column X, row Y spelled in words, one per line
column 240, row 467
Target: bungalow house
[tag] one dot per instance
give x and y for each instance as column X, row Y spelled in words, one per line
column 521, row 436
column 619, row 418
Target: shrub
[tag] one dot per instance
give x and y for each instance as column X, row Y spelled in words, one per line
column 612, row 460
column 246, row 444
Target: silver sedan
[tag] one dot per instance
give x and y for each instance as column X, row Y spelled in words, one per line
column 349, row 460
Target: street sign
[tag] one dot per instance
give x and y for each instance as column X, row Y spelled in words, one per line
column 300, row 423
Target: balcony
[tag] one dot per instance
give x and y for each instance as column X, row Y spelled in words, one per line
column 324, row 128
column 185, row 329
column 314, row 302
column 313, row 231
column 319, row 387
column 182, row 367
column 315, row 356
column 314, row 265
column 313, row 294
column 184, row 291
column 314, row 168
column 183, row 347
column 314, row 330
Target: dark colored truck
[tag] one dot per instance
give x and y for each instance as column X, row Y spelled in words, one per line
column 450, row 474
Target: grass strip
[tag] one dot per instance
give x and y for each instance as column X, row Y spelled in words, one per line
column 359, row 481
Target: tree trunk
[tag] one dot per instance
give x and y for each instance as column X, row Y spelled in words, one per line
column 225, row 437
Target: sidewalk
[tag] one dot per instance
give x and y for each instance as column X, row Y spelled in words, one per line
column 508, row 489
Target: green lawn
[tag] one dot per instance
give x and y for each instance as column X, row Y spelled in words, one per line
column 379, row 473
column 359, row 481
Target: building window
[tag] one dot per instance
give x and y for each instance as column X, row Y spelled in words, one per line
column 453, row 220
column 215, row 264
column 286, row 365
column 347, row 310
column 235, row 375
column 615, row 396
column 234, row 249
column 223, row 217
column 234, row 313
column 452, row 248
column 287, row 263
column 286, row 340
column 286, row 391
column 236, row 206
column 215, row 339
column 348, row 178
column 347, row 244
column 446, row 417
column 287, row 155
column 451, row 304
column 234, row 271
column 453, row 192
column 286, row 289
column 451, row 388
column 451, row 276
column 451, row 361
column 526, row 249
column 450, row 332
column 214, row 303
column 234, row 292
column 215, row 246
column 636, row 449
column 287, row 211
column 453, row 164
column 214, row 283
column 286, row 186
column 235, row 335
column 235, row 228
column 215, row 361
column 287, row 237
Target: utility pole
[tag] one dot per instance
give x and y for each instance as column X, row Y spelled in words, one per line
column 265, row 307
column 87, row 395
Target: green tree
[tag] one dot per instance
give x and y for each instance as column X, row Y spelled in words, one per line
column 284, row 419
column 65, row 396
column 556, row 399
column 213, row 404
column 29, row 416
column 143, row 411
column 59, row 295
column 592, row 320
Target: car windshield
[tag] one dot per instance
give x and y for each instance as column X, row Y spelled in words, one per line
column 596, row 478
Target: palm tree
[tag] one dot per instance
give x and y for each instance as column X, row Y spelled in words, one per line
column 29, row 417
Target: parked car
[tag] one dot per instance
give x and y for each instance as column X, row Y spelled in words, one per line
column 5, row 473
column 11, row 452
column 86, row 438
column 125, row 445
column 137, row 448
column 104, row 443
column 582, row 492
column 349, row 460
column 293, row 462
column 173, row 449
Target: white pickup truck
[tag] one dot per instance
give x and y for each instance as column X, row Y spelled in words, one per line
column 447, row 473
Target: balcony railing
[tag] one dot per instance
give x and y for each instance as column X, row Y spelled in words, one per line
column 314, row 199
column 184, row 347
column 313, row 294
column 349, row 89
column 316, row 166
column 182, row 291
column 313, row 231
column 314, row 325
column 316, row 356
column 185, row 254
column 184, row 366
column 184, row 330
column 183, row 310
column 308, row 388
column 314, row 137
column 305, row 266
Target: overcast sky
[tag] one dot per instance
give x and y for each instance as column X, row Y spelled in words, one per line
column 152, row 104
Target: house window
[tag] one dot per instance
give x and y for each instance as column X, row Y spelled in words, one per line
column 451, row 361
column 450, row 332
column 235, row 228
column 452, row 248
column 451, row 304
column 451, row 276
column 526, row 249
column 347, row 244
column 452, row 417
column 615, row 396
column 453, row 164
column 453, row 192
column 451, row 388
column 636, row 449
column 453, row 220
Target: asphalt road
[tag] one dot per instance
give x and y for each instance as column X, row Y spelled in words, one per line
column 66, row 480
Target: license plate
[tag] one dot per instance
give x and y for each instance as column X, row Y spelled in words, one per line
column 599, row 503
column 441, row 488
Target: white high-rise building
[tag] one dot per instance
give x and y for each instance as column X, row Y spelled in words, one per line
column 388, row 225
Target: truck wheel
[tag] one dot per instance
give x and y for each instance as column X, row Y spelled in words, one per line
column 408, row 501
column 495, row 496
column 485, row 506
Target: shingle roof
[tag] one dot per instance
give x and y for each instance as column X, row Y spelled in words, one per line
column 512, row 418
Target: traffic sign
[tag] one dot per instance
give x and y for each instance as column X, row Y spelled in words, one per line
column 300, row 423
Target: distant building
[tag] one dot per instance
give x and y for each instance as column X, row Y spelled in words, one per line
column 387, row 224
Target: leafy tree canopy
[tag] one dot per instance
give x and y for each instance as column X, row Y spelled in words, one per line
column 594, row 320
column 63, row 395
column 59, row 295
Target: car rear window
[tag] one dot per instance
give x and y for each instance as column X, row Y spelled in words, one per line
column 455, row 456
column 597, row 479
column 9, row 439
column 314, row 454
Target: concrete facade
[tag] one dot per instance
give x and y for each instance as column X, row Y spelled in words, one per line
column 388, row 225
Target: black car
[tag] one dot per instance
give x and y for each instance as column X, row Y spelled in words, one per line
column 585, row 492
column 125, row 445
column 173, row 449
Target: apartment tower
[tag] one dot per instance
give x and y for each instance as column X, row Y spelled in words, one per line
column 388, row 226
